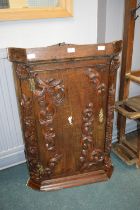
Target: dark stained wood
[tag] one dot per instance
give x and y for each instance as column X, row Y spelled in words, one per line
column 61, row 52
column 71, row 181
column 66, row 103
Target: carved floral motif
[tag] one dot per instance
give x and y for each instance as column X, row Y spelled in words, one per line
column 50, row 94
column 95, row 78
column 110, row 111
column 23, row 71
column 89, row 155
column 37, row 170
column 30, row 138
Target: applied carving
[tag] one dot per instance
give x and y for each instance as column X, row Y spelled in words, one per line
column 50, row 94
column 117, row 46
column 89, row 155
column 110, row 112
column 115, row 63
column 30, row 138
column 95, row 78
column 37, row 170
column 23, row 71
column 54, row 89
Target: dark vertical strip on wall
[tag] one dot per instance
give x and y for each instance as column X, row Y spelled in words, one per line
column 101, row 21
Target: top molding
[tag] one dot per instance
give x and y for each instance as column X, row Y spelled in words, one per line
column 64, row 51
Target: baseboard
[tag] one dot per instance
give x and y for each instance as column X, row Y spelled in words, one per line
column 16, row 155
column 12, row 157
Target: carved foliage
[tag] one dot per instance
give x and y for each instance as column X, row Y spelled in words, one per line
column 99, row 87
column 30, row 138
column 89, row 155
column 95, row 78
column 115, row 63
column 37, row 170
column 54, row 89
column 50, row 94
column 110, row 112
column 23, row 71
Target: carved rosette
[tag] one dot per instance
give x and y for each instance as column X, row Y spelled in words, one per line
column 110, row 111
column 89, row 155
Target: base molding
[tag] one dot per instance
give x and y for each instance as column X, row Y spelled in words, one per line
column 72, row 181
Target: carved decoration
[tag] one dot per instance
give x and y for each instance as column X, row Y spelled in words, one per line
column 110, row 112
column 117, row 46
column 50, row 94
column 115, row 63
column 89, row 155
column 23, row 71
column 30, row 138
column 37, row 170
column 54, row 89
column 95, row 78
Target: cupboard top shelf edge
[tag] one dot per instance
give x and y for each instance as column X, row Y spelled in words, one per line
column 63, row 51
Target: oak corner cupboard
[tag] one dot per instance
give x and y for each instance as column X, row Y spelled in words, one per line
column 66, row 99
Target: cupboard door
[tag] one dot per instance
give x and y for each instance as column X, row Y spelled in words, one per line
column 70, row 116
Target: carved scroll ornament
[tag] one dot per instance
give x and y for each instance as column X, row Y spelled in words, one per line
column 95, row 78
column 110, row 112
column 23, row 71
column 37, row 170
column 89, row 155
column 50, row 94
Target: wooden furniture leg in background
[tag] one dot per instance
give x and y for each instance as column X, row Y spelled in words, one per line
column 128, row 146
column 128, row 38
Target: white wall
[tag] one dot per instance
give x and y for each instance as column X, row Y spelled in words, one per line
column 114, row 24
column 114, row 20
column 82, row 28
column 114, row 31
